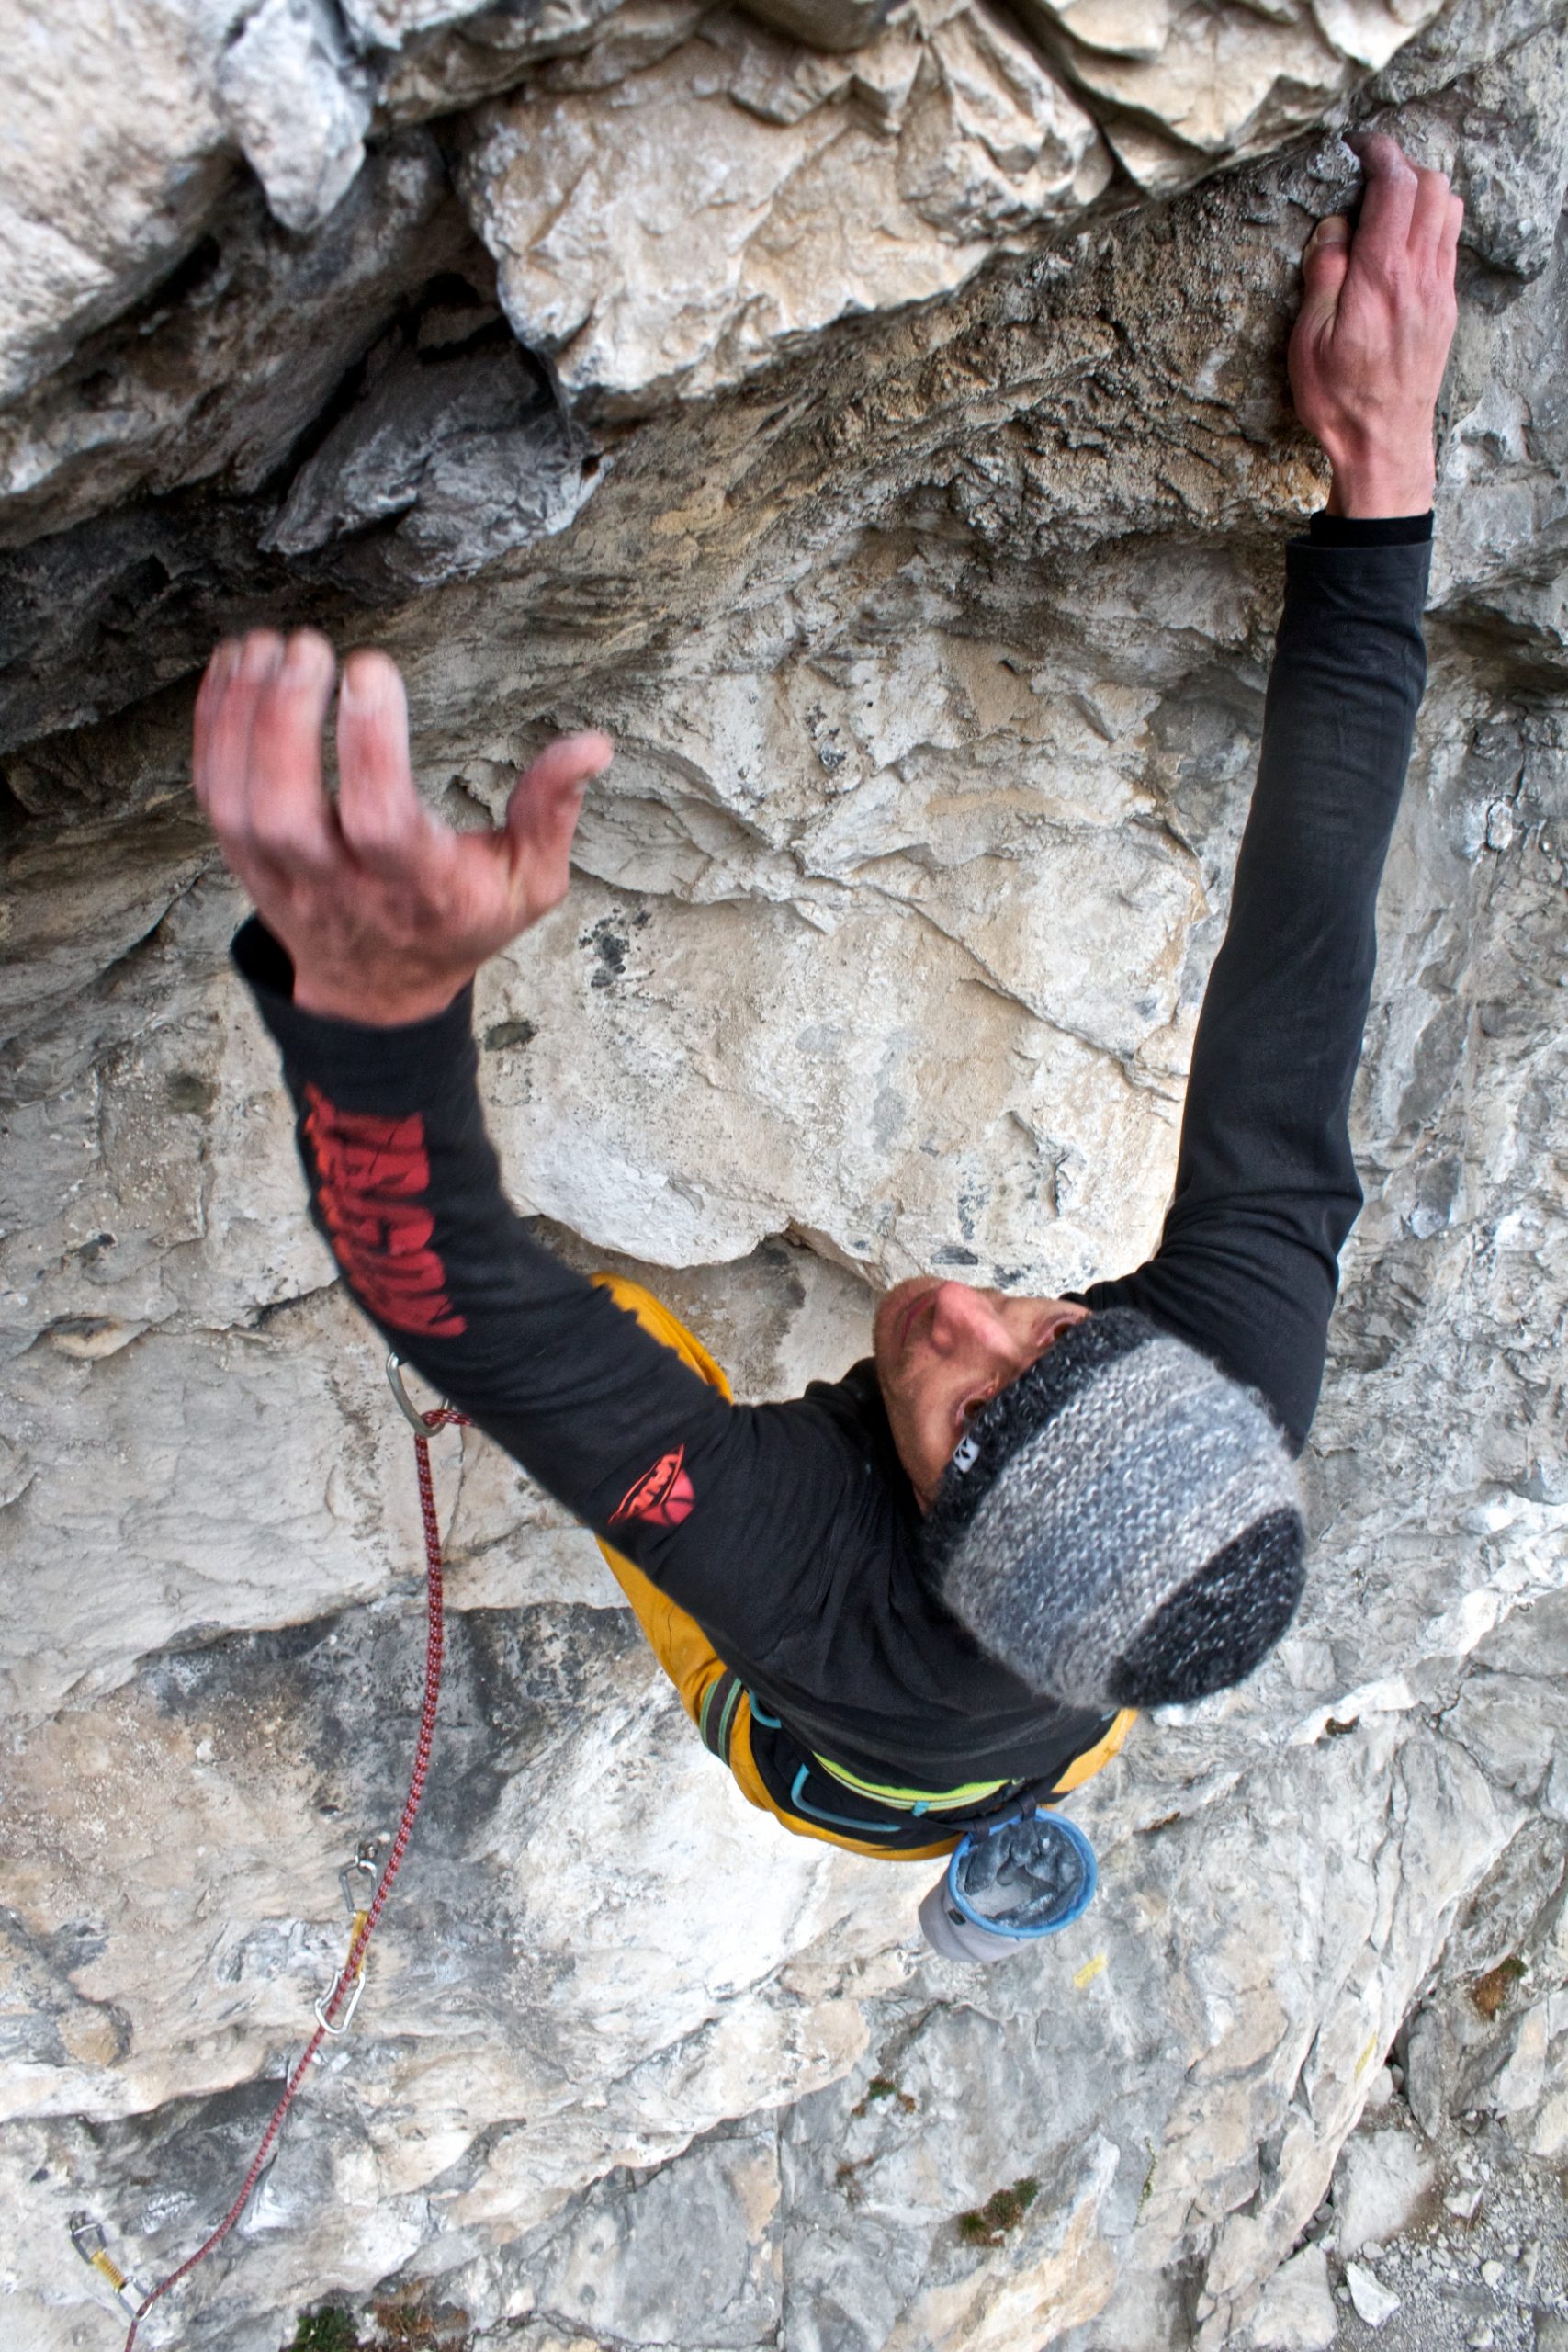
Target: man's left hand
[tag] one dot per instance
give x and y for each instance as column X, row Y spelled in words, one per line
column 1370, row 347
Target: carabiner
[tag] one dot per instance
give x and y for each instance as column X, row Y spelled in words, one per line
column 358, row 1898
column 406, row 1404
column 325, row 1999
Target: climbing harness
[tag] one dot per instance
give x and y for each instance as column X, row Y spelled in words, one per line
column 364, row 1891
column 1009, row 1883
column 963, row 1799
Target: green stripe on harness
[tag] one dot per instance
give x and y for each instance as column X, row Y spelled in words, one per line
column 715, row 1717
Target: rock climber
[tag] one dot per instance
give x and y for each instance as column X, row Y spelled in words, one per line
column 922, row 1599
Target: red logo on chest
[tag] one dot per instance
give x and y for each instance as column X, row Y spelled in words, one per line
column 663, row 1497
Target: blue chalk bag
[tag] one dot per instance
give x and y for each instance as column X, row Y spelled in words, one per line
column 1009, row 1883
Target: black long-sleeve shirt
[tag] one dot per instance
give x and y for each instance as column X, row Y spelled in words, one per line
column 790, row 1531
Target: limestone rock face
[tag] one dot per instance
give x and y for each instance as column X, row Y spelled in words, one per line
column 113, row 155
column 1214, row 78
column 815, row 398
column 797, row 189
column 297, row 112
column 221, row 382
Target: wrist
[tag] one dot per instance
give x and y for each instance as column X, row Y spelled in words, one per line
column 380, row 1009
column 1375, row 488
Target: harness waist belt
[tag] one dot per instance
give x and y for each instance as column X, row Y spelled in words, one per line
column 972, row 1794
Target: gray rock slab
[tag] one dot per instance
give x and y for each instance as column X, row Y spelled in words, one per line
column 1297, row 2313
column 1383, row 2178
column 299, row 107
column 1372, row 2300
column 947, row 130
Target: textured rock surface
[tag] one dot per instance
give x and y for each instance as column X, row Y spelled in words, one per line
column 299, row 110
column 795, row 188
column 114, row 153
column 926, row 577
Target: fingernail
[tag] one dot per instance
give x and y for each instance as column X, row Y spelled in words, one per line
column 302, row 658
column 366, row 686
column 1334, row 230
column 258, row 657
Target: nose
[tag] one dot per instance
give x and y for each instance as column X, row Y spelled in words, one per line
column 964, row 1319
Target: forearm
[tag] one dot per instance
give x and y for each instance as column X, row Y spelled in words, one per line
column 406, row 1191
column 1265, row 1134
column 1266, row 1189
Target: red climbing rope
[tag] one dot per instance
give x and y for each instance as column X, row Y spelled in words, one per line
column 344, row 1989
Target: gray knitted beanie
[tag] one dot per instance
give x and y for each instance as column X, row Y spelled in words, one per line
column 1120, row 1526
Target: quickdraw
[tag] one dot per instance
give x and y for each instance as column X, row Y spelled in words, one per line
column 365, row 1891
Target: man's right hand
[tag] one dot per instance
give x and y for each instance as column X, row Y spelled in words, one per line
column 386, row 911
column 1370, row 347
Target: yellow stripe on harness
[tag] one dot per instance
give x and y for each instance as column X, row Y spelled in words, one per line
column 1081, row 1768
column 973, row 1792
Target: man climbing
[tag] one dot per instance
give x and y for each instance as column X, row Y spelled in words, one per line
column 909, row 1603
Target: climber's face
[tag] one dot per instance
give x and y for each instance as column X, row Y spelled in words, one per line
column 942, row 1349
